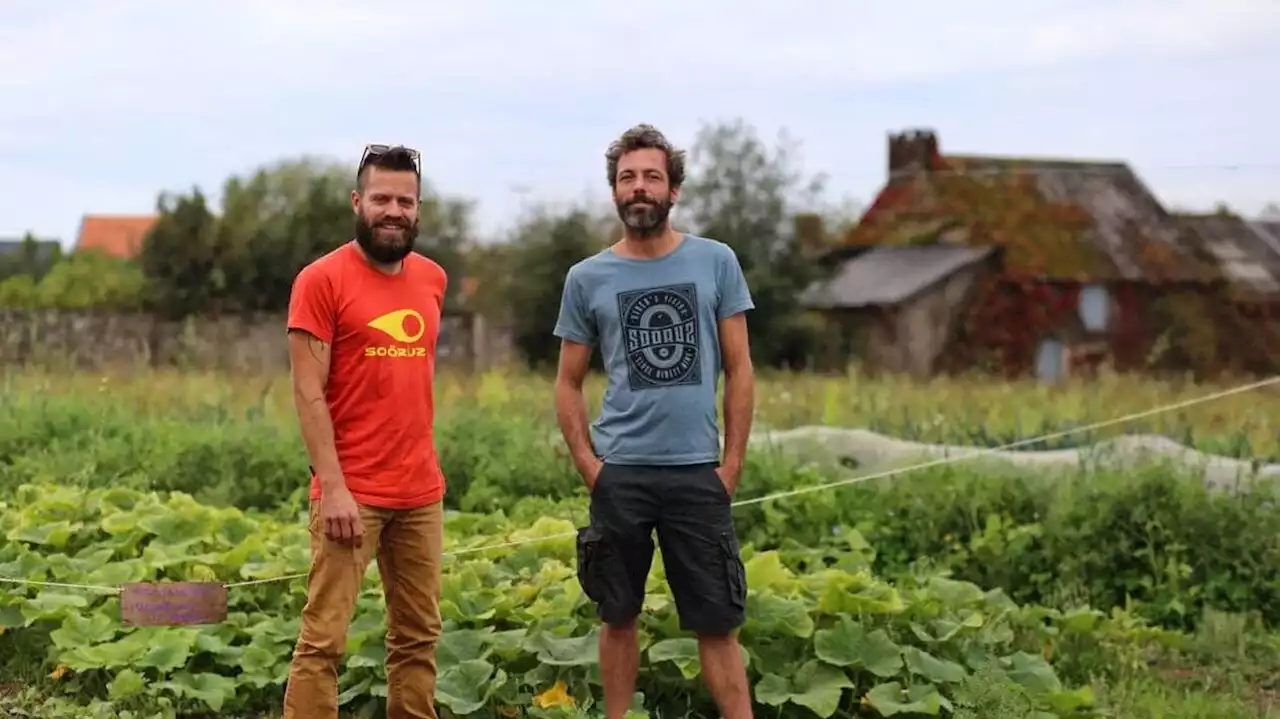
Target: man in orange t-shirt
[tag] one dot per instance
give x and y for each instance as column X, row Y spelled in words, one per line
column 362, row 329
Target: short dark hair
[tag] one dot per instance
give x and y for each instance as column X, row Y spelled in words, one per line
column 395, row 159
column 645, row 137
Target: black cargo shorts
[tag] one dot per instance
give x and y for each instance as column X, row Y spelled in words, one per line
column 690, row 509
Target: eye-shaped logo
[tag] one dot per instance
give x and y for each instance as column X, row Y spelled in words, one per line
column 395, row 326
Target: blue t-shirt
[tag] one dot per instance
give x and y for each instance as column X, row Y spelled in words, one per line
column 655, row 323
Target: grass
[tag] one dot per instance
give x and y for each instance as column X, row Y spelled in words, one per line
column 1228, row 668
column 962, row 411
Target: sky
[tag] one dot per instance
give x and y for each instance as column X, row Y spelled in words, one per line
column 105, row 105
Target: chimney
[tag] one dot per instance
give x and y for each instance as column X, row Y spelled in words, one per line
column 912, row 151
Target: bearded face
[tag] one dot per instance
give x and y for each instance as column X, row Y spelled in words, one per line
column 386, row 240
column 642, row 214
column 642, row 192
column 387, row 215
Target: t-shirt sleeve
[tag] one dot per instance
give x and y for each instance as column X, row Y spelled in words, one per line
column 312, row 305
column 574, row 323
column 735, row 297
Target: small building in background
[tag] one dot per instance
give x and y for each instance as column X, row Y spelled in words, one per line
column 120, row 236
column 895, row 306
column 1049, row 267
column 28, row 253
column 1248, row 252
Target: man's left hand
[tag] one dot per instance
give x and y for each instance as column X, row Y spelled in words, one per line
column 728, row 475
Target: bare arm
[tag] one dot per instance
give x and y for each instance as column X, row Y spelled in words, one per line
column 571, row 405
column 739, row 390
column 309, row 359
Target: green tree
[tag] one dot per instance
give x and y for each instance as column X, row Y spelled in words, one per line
column 271, row 224
column 80, row 281
column 182, row 258
column 93, row 280
column 276, row 221
column 445, row 236
column 19, row 292
column 33, row 258
column 543, row 247
column 748, row 196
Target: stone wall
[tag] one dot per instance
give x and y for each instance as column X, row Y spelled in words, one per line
column 89, row 340
column 926, row 323
column 910, row 337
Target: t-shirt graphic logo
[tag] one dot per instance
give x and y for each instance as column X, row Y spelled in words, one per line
column 395, row 326
column 660, row 334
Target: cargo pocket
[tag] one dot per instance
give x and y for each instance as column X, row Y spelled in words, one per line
column 735, row 571
column 589, row 546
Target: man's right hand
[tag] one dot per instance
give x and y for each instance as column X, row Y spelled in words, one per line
column 341, row 517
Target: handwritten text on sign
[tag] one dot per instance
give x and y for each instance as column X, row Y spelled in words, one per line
column 173, row 603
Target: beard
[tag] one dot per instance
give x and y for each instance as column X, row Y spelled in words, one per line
column 382, row 247
column 644, row 216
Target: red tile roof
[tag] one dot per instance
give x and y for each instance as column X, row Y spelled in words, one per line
column 117, row 235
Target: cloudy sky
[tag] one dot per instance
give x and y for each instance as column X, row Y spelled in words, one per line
column 104, row 105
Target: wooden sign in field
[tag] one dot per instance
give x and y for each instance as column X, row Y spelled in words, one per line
column 146, row 604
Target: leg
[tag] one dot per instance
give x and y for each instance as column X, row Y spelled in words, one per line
column 708, row 582
column 333, row 584
column 410, row 567
column 614, row 557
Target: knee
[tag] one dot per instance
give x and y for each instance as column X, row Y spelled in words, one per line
column 410, row 641
column 322, row 634
column 620, row 615
column 713, row 623
column 321, row 642
column 712, row 639
column 418, row 623
column 621, row 628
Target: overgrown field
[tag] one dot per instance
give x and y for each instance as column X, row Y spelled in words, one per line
column 955, row 591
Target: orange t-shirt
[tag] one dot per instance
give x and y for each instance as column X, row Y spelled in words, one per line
column 382, row 330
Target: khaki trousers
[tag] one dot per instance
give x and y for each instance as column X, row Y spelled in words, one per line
column 408, row 544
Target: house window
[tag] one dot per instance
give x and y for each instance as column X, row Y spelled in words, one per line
column 1095, row 307
column 1049, row 361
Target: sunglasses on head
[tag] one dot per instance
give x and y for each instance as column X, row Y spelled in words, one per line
column 376, row 150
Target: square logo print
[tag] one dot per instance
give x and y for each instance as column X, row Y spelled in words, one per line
column 661, row 336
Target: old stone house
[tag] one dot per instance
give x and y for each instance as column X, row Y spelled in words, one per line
column 1026, row 265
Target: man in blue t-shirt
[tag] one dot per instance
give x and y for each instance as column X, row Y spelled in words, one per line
column 666, row 309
